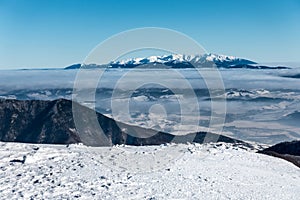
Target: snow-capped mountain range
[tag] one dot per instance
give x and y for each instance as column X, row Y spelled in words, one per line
column 181, row 61
column 177, row 58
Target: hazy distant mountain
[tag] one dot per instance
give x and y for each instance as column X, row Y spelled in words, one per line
column 52, row 122
column 181, row 61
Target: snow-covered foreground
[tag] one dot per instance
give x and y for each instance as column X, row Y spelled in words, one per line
column 184, row 171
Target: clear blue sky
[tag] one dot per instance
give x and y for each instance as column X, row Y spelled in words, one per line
column 56, row 33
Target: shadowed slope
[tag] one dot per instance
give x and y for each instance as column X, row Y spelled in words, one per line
column 52, row 122
column 289, row 151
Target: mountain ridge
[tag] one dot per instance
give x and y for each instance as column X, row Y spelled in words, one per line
column 52, row 122
column 181, row 61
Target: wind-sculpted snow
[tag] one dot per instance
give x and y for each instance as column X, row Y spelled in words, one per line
column 214, row 171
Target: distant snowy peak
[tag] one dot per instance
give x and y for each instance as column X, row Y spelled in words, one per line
column 183, row 60
column 153, row 59
column 224, row 58
column 179, row 61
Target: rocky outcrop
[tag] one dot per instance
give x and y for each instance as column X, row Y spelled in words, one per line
column 37, row 122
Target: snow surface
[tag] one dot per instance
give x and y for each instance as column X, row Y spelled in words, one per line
column 182, row 171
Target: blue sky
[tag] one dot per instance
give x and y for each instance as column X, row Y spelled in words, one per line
column 57, row 33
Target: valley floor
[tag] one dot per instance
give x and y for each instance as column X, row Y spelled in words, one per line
column 174, row 171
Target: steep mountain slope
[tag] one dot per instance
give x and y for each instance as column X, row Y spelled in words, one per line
column 36, row 122
column 52, row 122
